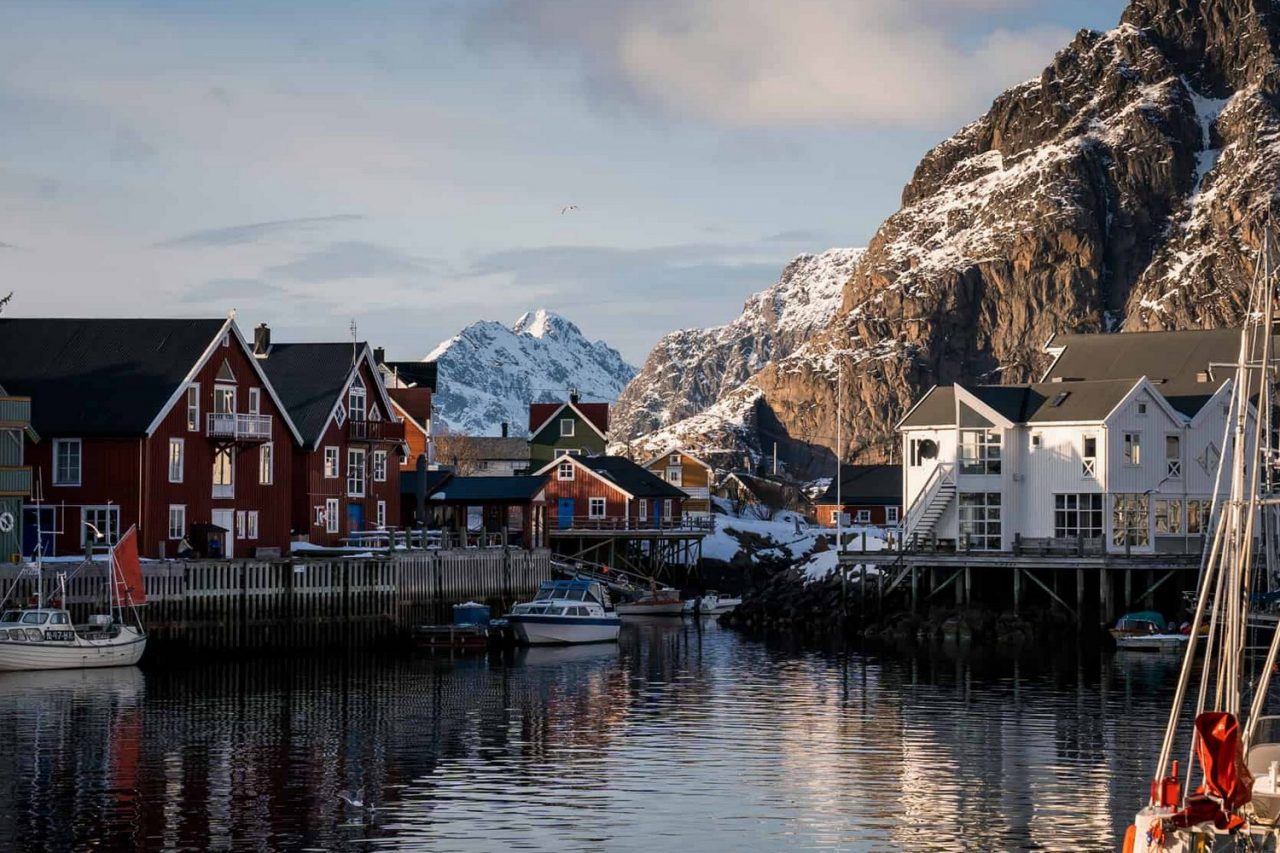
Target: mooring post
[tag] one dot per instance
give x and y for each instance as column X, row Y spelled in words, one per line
column 1128, row 589
column 914, row 590
column 1104, row 595
column 1017, row 591
column 968, row 586
column 1080, row 597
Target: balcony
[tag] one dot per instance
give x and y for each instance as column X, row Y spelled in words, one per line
column 375, row 432
column 15, row 412
column 15, row 482
column 232, row 426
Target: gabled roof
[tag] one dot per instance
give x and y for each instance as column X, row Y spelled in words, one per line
column 432, row 480
column 414, row 404
column 622, row 474
column 936, row 408
column 491, row 489
column 312, row 377
column 866, row 484
column 684, row 453
column 101, row 377
column 595, row 414
column 413, row 374
column 493, row 448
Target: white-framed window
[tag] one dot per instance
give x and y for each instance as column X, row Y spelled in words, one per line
column 1130, row 519
column 226, row 339
column 564, row 471
column 979, row 451
column 863, row 516
column 891, row 515
column 675, row 477
column 381, row 517
column 1142, row 408
column 1173, row 456
column 193, row 407
column 331, row 522
column 835, row 515
column 68, row 460
column 251, row 524
column 331, row 471
column 1168, row 516
column 355, row 472
column 357, row 399
column 980, row 519
column 266, row 464
column 177, row 521
column 1132, row 448
column 224, row 474
column 1089, row 456
column 566, row 427
column 340, row 416
column 674, row 459
column 107, row 521
column 666, row 509
column 1077, row 515
column 595, row 508
column 380, row 466
column 644, row 509
column 177, row 459
column 224, row 399
column 240, row 524
column 1035, row 439
column 255, row 401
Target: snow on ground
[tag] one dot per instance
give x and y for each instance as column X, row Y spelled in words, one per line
column 790, row 538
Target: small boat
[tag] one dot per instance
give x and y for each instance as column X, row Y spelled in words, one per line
column 564, row 612
column 711, row 604
column 662, row 601
column 44, row 637
column 1144, row 631
column 471, row 629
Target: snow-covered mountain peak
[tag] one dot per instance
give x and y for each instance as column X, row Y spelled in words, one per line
column 543, row 323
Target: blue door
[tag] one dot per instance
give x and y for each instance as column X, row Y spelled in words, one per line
column 566, row 513
column 355, row 517
column 47, row 526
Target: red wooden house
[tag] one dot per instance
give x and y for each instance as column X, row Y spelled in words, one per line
column 869, row 494
column 346, row 473
column 165, row 424
column 410, row 385
column 607, row 493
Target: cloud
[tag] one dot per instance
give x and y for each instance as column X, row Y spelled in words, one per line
column 129, row 147
column 218, row 289
column 254, row 231
column 910, row 63
column 798, row 235
column 349, row 259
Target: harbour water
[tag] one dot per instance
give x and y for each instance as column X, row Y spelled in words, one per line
column 675, row 738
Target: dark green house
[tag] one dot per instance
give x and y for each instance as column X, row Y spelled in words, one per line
column 574, row 427
column 15, row 478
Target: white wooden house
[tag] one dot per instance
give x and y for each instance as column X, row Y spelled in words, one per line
column 1116, row 449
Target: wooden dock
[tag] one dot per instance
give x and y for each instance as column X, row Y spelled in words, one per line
column 291, row 603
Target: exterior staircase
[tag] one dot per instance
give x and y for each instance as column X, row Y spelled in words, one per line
column 930, row 504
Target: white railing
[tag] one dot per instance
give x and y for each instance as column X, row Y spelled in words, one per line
column 239, row 427
column 942, row 473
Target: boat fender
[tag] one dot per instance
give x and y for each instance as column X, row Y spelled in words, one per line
column 1130, row 837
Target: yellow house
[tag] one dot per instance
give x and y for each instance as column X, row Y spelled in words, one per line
column 687, row 473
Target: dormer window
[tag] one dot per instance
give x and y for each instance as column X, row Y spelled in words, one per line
column 566, row 427
column 565, row 471
column 356, row 399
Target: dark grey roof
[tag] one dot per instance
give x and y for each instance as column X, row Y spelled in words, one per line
column 494, row 448
column 416, row 374
column 488, row 489
column 309, row 379
column 1037, row 402
column 1176, row 362
column 937, row 408
column 409, row 482
column 867, row 484
column 633, row 478
column 99, row 377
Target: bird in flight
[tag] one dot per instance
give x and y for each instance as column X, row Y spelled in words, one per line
column 567, row 208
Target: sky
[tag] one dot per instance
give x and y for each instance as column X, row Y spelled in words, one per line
column 408, row 165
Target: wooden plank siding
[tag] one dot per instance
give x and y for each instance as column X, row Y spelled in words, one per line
column 619, row 510
column 110, row 473
column 311, row 489
column 695, row 480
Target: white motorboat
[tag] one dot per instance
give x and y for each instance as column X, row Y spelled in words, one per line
column 44, row 637
column 1145, row 632
column 565, row 612
column 662, row 601
column 711, row 604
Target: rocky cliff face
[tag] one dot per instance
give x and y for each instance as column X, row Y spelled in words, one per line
column 489, row 373
column 690, row 370
column 1123, row 188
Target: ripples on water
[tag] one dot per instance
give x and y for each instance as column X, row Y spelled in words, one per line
column 673, row 739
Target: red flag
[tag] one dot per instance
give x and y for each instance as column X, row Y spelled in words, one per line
column 127, row 569
column 1228, row 784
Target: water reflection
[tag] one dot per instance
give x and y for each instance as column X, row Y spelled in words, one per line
column 676, row 737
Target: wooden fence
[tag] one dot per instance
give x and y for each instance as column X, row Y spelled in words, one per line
column 232, row 603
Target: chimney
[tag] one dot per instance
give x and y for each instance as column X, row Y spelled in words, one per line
column 379, row 355
column 261, row 340
column 573, row 396
column 505, row 428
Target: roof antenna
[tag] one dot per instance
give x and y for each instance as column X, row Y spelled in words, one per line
column 353, row 340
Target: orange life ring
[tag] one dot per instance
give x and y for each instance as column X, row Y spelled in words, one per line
column 1130, row 838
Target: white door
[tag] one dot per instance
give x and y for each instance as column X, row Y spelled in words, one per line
column 226, row 518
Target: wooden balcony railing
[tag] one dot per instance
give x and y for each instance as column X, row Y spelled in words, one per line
column 15, row 481
column 391, row 432
column 15, row 412
column 238, row 427
column 620, row 523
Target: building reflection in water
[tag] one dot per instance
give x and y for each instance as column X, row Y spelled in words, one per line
column 678, row 736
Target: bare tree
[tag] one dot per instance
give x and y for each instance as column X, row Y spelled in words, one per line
column 458, row 450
